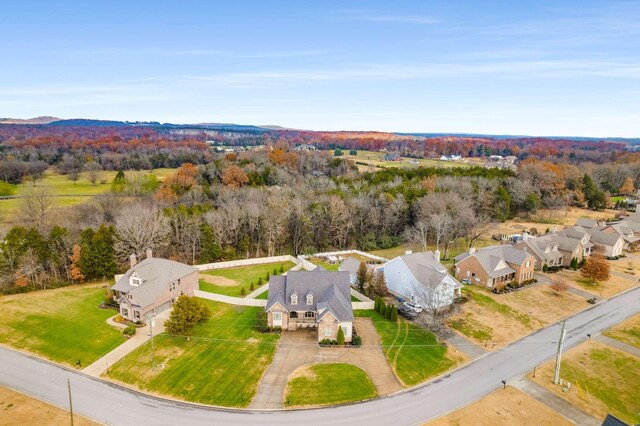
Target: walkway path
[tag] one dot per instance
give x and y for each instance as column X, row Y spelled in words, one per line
column 625, row 275
column 142, row 336
column 466, row 346
column 618, row 344
column 300, row 347
column 554, row 402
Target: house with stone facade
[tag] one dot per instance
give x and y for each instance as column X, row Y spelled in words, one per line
column 318, row 299
column 152, row 285
column 495, row 265
column 421, row 278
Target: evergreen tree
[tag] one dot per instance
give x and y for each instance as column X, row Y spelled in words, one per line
column 394, row 314
column 340, row 337
column 361, row 279
column 210, row 248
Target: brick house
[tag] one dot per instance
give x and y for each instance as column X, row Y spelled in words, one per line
column 495, row 265
column 318, row 299
column 151, row 286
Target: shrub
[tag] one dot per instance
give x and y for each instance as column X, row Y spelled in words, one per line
column 394, row 314
column 383, row 309
column 545, row 268
column 243, row 292
column 187, row 312
column 356, row 340
column 130, row 330
column 251, row 287
column 261, row 321
column 574, row 264
column 387, row 312
column 260, row 282
column 268, row 276
column 460, row 300
column 340, row 337
column 282, row 269
column 592, row 301
column 6, row 189
column 275, row 271
column 353, row 152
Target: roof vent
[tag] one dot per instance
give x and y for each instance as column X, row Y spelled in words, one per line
column 408, row 252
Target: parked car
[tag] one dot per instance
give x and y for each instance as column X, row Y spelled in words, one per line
column 466, row 281
column 415, row 307
column 407, row 313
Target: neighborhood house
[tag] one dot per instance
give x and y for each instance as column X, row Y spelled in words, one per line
column 320, row 299
column 495, row 265
column 151, row 286
column 421, row 278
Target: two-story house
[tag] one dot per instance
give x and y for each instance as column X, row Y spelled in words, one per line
column 495, row 265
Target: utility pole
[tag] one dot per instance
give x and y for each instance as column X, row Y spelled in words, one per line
column 556, row 376
column 70, row 402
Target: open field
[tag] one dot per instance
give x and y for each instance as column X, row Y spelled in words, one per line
column 414, row 353
column 326, row 265
column 503, row 407
column 64, row 325
column 483, row 319
column 18, row 409
column 603, row 380
column 627, row 331
column 221, row 364
column 326, row 384
column 372, row 160
column 605, row 289
column 231, row 281
column 65, row 192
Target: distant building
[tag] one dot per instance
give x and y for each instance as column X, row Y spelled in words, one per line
column 392, row 156
column 306, row 147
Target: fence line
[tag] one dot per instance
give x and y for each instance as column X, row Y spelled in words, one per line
column 238, row 301
column 247, row 262
column 344, row 252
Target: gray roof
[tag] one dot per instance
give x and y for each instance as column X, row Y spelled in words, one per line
column 156, row 275
column 586, row 223
column 426, row 269
column 599, row 236
column 351, row 265
column 331, row 292
column 490, row 257
column 538, row 245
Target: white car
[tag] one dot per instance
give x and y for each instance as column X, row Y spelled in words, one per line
column 415, row 307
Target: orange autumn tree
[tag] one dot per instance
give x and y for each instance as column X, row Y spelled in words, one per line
column 627, row 187
column 76, row 274
column 596, row 268
column 234, row 177
column 21, row 279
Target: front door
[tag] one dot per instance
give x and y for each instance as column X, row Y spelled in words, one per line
column 277, row 319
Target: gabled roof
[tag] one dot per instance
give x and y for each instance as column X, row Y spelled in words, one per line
column 490, row 259
column 586, row 223
column 604, row 238
column 426, row 269
column 330, row 290
column 156, row 275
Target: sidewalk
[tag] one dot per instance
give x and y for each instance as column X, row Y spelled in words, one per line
column 554, row 402
column 466, row 346
column 618, row 345
column 142, row 336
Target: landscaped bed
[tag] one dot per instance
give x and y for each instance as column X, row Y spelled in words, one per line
column 325, row 384
column 603, row 380
column 64, row 325
column 232, row 281
column 221, row 364
column 414, row 353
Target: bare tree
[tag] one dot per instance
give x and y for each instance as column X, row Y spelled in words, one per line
column 418, row 234
column 37, row 209
column 140, row 227
column 93, row 170
column 435, row 298
column 558, row 285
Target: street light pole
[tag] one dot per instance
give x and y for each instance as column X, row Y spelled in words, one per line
column 70, row 402
column 563, row 332
column 153, row 359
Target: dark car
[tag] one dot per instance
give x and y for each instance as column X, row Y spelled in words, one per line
column 407, row 313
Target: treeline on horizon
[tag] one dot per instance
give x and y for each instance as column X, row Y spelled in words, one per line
column 263, row 203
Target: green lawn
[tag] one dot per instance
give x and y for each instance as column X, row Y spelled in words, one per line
column 243, row 277
column 326, row 384
column 627, row 331
column 70, row 193
column 221, row 364
column 264, row 295
column 612, row 377
column 414, row 353
column 63, row 325
column 326, row 265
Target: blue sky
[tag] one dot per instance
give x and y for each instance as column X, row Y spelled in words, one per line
column 512, row 67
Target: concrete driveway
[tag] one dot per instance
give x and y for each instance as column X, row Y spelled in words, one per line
column 300, row 347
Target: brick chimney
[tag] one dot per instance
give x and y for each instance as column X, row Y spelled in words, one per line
column 472, row 250
column 436, row 255
column 133, row 260
column 149, row 253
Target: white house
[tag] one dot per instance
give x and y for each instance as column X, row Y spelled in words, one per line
column 416, row 276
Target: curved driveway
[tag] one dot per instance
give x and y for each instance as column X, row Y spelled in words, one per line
column 116, row 405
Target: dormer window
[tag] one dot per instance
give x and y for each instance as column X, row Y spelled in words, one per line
column 309, row 299
column 135, row 280
column 294, row 299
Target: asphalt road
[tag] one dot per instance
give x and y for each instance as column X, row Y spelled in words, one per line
column 116, row 405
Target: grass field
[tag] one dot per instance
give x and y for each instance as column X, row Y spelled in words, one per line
column 326, row 384
column 326, row 265
column 221, row 364
column 231, row 281
column 63, row 325
column 603, row 380
column 371, row 160
column 66, row 192
column 614, row 285
column 18, row 409
column 627, row 331
column 414, row 353
column 506, row 407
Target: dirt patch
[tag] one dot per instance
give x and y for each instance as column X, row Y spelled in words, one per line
column 19, row 409
column 218, row 280
column 541, row 303
column 503, row 407
column 304, row 371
